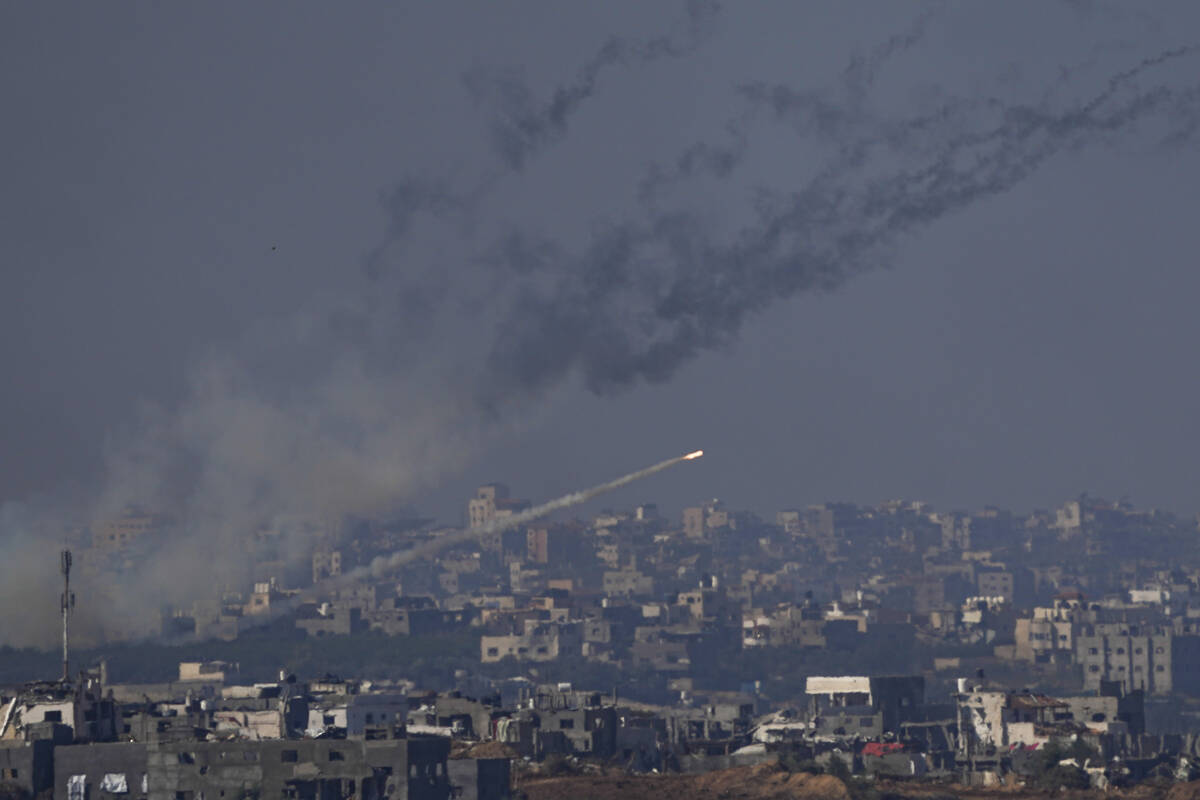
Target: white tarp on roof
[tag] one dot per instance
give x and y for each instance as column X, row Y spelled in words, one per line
column 114, row 782
column 77, row 787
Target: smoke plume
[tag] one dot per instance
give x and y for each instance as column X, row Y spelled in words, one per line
column 643, row 296
column 471, row 314
column 523, row 125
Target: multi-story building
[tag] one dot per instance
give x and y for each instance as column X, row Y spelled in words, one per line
column 1049, row 634
column 492, row 502
column 126, row 530
column 541, row 641
column 1155, row 661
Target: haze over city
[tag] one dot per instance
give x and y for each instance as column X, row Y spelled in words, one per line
column 405, row 326
column 187, row 187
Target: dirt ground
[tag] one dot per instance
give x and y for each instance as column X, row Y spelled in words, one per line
column 772, row 782
column 764, row 782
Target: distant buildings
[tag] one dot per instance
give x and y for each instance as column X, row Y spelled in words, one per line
column 492, row 502
column 833, row 620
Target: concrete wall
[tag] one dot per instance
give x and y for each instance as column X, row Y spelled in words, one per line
column 480, row 778
column 29, row 765
column 308, row 769
column 94, row 761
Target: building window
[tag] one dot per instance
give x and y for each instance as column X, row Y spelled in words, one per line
column 566, row 724
column 1120, row 651
column 336, row 755
column 1093, row 668
column 289, row 756
column 493, row 652
column 1160, row 668
column 1092, row 651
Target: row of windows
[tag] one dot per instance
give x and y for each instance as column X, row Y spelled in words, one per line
column 493, row 652
column 292, row 756
column 1121, row 651
column 286, row 756
column 1138, row 668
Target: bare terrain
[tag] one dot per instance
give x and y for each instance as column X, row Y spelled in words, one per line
column 773, row 782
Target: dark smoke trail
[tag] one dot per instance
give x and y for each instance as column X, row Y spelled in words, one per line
column 642, row 297
column 828, row 112
column 523, row 126
column 408, row 200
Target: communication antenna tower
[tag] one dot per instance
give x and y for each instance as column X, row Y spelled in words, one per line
column 68, row 604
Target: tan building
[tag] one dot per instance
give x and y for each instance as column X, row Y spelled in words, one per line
column 326, row 564
column 554, row 544
column 125, row 530
column 791, row 520
column 698, row 520
column 265, row 594
column 1153, row 661
column 492, row 502
column 627, row 583
column 541, row 641
column 213, row 671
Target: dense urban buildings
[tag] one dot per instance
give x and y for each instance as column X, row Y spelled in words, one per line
column 899, row 639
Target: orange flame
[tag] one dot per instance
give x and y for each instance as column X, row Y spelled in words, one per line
column 696, row 454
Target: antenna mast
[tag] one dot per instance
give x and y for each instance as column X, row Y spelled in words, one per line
column 68, row 603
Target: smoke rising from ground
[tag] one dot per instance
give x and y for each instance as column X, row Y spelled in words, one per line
column 363, row 398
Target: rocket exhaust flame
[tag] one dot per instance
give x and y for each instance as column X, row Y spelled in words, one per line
column 696, row 454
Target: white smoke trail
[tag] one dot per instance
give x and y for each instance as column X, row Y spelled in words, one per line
column 385, row 563
column 382, row 564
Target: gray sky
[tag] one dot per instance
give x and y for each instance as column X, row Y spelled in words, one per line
column 190, row 185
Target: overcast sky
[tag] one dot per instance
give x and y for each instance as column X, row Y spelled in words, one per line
column 312, row 197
